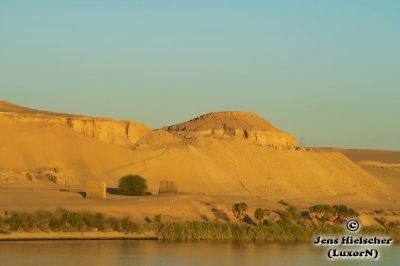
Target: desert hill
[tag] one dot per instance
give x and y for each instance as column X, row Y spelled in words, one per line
column 371, row 155
column 241, row 124
column 46, row 145
column 7, row 107
column 10, row 107
column 107, row 130
column 385, row 165
column 238, row 167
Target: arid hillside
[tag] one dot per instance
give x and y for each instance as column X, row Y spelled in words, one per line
column 223, row 159
column 107, row 130
column 244, row 125
column 385, row 165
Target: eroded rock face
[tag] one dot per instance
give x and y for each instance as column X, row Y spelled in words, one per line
column 107, row 130
column 17, row 176
column 245, row 125
column 11, row 176
column 111, row 131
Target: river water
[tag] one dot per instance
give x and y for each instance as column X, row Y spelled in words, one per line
column 152, row 252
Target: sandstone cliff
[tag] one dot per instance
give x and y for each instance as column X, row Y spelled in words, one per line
column 107, row 130
column 245, row 125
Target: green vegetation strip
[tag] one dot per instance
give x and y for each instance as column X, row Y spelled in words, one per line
column 64, row 221
column 271, row 232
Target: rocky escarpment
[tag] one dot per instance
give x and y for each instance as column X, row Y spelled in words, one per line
column 246, row 125
column 111, row 131
column 107, row 130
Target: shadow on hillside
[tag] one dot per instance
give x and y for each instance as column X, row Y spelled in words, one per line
column 247, row 219
column 305, row 214
column 203, row 217
column 219, row 214
column 112, row 190
column 83, row 194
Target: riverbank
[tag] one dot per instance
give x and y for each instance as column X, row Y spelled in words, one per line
column 24, row 236
column 64, row 224
column 178, row 231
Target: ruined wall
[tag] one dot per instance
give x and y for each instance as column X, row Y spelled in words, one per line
column 107, row 130
column 96, row 189
column 167, row 186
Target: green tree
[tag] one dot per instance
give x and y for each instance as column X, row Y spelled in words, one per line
column 239, row 210
column 132, row 185
column 260, row 214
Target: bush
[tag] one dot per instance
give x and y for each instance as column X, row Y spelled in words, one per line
column 128, row 226
column 63, row 220
column 292, row 212
column 157, row 218
column 132, row 185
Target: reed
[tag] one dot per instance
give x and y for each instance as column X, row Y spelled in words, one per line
column 269, row 232
column 63, row 220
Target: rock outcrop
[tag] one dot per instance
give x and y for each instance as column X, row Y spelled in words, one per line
column 18, row 176
column 108, row 130
column 245, row 125
column 11, row 176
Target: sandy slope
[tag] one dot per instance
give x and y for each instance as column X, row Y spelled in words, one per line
column 14, row 108
column 372, row 155
column 384, row 165
column 225, row 166
column 31, row 147
column 207, row 169
column 235, row 167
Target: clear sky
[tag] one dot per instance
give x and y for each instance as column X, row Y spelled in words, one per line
column 326, row 71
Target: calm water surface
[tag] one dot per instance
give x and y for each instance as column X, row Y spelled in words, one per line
column 151, row 252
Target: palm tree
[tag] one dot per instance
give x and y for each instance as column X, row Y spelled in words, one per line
column 260, row 214
column 239, row 210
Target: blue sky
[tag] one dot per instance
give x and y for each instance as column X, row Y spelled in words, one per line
column 326, row 71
